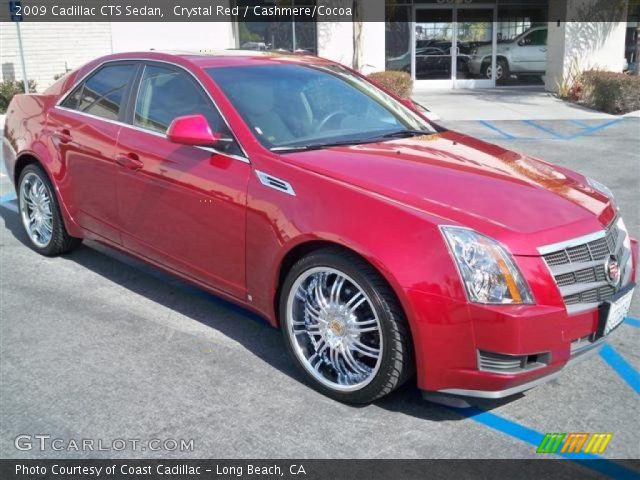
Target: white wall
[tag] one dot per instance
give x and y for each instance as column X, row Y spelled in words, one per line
column 143, row 36
column 49, row 47
column 373, row 47
column 335, row 41
column 579, row 46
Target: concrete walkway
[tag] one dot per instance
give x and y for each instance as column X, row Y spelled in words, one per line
column 528, row 103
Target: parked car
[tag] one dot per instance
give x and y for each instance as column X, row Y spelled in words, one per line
column 380, row 243
column 524, row 55
column 432, row 60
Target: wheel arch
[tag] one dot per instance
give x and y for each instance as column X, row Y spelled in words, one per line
column 24, row 159
column 304, row 248
column 29, row 157
column 486, row 61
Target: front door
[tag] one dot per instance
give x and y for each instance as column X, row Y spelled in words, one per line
column 182, row 206
column 445, row 38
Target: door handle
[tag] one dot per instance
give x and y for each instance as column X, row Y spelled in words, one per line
column 130, row 161
column 63, row 135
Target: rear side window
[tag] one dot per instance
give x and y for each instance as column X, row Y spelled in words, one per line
column 166, row 93
column 103, row 92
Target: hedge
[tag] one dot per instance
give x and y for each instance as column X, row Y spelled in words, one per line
column 610, row 92
column 399, row 83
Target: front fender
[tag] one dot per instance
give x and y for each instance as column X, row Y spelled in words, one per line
column 404, row 244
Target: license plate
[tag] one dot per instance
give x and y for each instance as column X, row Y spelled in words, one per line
column 615, row 311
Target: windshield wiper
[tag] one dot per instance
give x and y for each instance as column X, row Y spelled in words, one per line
column 403, row 134
column 318, row 146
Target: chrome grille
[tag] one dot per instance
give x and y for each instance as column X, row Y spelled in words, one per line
column 578, row 267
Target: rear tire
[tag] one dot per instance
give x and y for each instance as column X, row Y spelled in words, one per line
column 344, row 327
column 40, row 214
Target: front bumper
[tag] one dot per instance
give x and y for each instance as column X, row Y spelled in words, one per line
column 454, row 334
column 582, row 353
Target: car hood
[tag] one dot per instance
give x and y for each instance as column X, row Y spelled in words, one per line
column 523, row 202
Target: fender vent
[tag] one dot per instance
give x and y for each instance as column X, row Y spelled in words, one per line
column 275, row 183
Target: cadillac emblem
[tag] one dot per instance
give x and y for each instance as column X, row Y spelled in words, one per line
column 612, row 271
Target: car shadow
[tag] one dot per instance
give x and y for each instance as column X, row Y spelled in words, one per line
column 241, row 325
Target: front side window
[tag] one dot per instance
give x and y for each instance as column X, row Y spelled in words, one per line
column 290, row 106
column 102, row 93
column 166, row 94
column 536, row 38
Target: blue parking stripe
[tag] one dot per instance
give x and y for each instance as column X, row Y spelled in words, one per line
column 597, row 128
column 542, row 128
column 8, row 197
column 580, row 123
column 491, row 126
column 533, row 437
column 621, row 367
column 633, row 322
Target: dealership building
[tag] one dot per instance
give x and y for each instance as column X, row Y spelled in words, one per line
column 440, row 43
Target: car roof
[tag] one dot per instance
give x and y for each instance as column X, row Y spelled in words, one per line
column 222, row 58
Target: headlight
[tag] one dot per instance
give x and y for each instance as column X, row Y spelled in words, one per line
column 601, row 187
column 487, row 270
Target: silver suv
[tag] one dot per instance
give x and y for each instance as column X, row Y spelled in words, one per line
column 524, row 55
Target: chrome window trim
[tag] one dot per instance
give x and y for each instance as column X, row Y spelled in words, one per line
column 244, row 158
column 151, row 132
column 590, row 237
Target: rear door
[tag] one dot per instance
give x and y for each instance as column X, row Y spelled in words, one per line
column 182, row 206
column 84, row 130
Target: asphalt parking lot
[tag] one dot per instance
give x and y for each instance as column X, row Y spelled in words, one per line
column 97, row 345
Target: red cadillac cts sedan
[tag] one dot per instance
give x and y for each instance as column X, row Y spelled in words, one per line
column 380, row 243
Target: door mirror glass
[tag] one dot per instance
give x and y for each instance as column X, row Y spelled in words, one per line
column 192, row 130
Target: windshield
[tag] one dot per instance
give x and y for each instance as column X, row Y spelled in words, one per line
column 293, row 107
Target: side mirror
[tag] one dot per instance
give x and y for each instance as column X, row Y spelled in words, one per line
column 192, row 130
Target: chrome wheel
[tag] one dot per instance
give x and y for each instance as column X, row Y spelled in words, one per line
column 35, row 209
column 334, row 329
column 499, row 72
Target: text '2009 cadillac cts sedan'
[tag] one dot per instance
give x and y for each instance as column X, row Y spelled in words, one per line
column 381, row 244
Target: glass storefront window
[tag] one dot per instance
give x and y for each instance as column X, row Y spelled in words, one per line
column 522, row 43
column 289, row 33
column 398, row 37
column 520, row 31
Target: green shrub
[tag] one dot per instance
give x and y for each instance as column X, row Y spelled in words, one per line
column 9, row 88
column 399, row 83
column 610, row 92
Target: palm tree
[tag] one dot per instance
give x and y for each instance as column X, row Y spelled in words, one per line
column 357, row 34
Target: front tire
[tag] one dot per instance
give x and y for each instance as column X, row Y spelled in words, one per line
column 40, row 213
column 503, row 73
column 344, row 328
